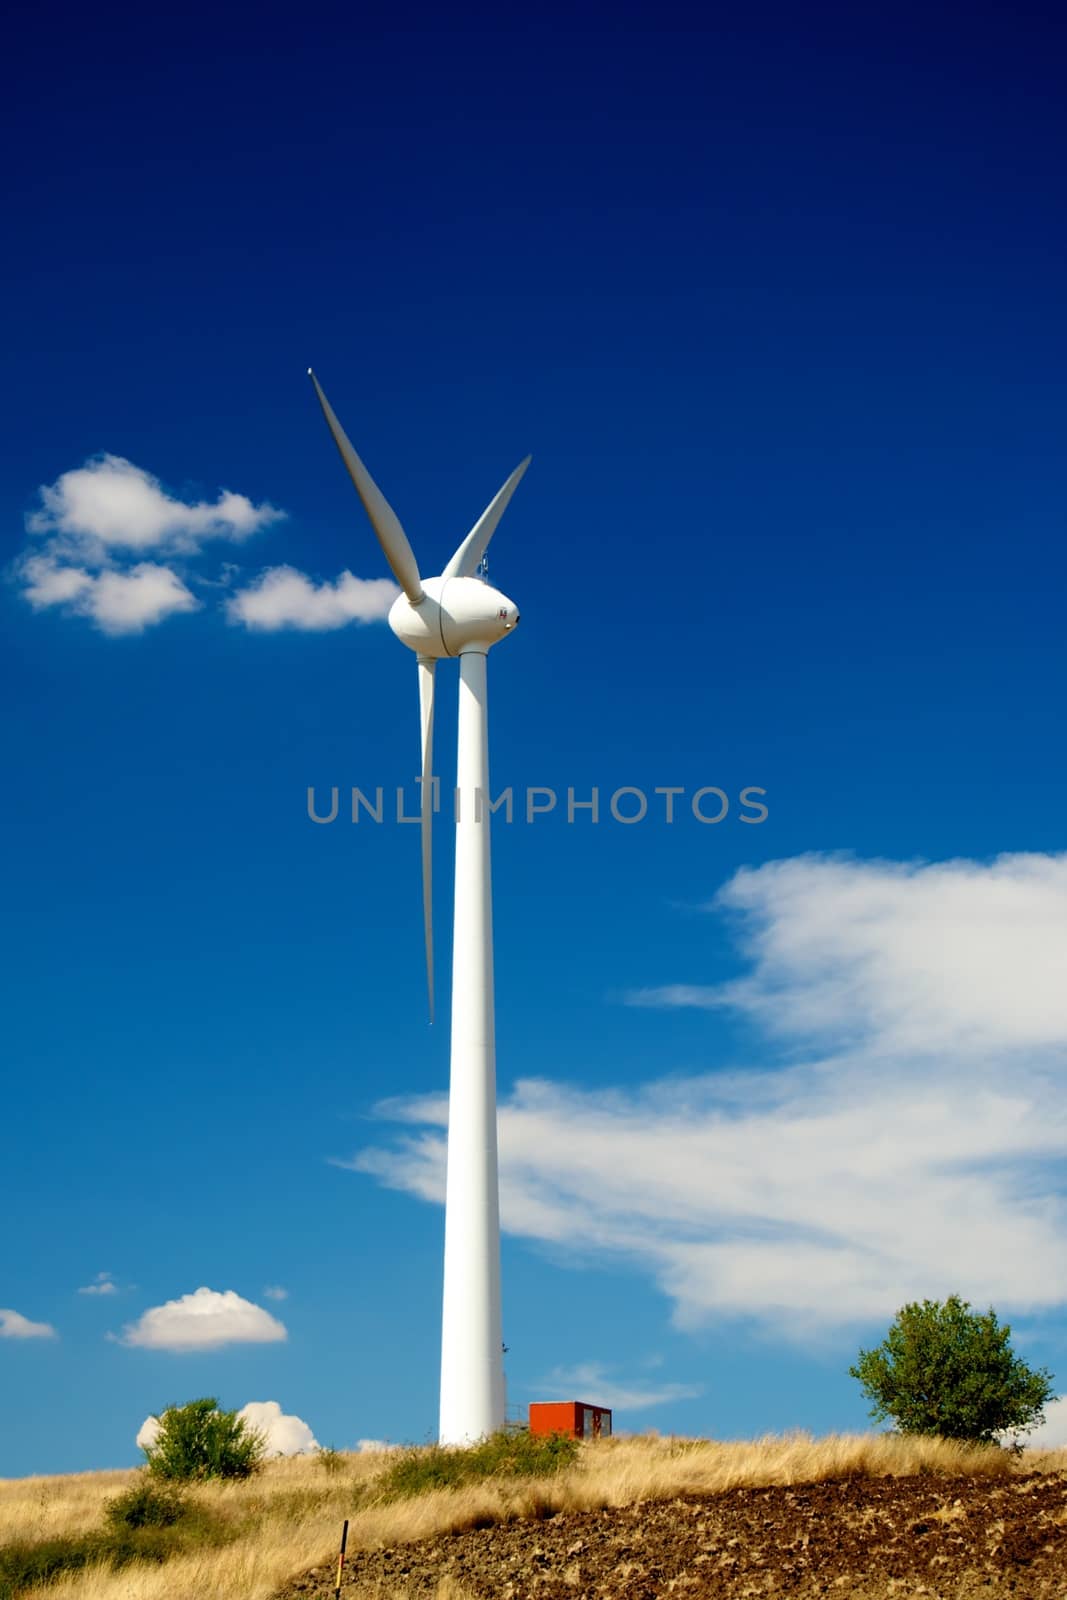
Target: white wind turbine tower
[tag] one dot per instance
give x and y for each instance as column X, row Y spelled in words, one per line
column 457, row 614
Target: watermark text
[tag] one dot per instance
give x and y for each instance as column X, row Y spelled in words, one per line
column 626, row 805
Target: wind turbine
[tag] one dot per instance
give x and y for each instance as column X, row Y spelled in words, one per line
column 458, row 614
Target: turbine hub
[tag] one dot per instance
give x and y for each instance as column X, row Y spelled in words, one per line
column 455, row 614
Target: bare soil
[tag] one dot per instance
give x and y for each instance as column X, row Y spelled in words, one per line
column 940, row 1537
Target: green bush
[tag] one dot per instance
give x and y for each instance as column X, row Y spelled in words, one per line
column 146, row 1524
column 145, row 1505
column 945, row 1369
column 505, row 1454
column 330, row 1460
column 26, row 1564
column 198, row 1441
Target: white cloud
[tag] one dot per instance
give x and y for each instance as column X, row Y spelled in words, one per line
column 285, row 1434
column 95, row 525
column 374, row 1446
column 204, row 1320
column 274, row 1291
column 103, row 1283
column 590, row 1383
column 675, row 994
column 129, row 602
column 49, row 584
column 109, row 503
column 899, row 956
column 15, row 1326
column 148, row 1433
column 117, row 602
column 1052, row 1434
column 281, row 597
column 912, row 1145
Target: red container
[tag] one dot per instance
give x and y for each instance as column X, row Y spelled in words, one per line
column 572, row 1417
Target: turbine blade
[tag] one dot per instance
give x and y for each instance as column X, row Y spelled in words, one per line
column 384, row 520
column 465, row 561
column 426, row 681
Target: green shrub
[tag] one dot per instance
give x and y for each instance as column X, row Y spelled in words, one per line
column 948, row 1370
column 26, row 1564
column 153, row 1542
column 139, row 1526
column 330, row 1460
column 198, row 1441
column 145, row 1505
column 506, row 1454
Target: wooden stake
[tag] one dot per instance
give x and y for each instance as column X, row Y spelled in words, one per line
column 341, row 1560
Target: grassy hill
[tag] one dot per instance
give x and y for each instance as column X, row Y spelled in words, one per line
column 278, row 1532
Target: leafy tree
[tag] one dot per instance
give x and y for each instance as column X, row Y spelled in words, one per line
column 945, row 1369
column 198, row 1440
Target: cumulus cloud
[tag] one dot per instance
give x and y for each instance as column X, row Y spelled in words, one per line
column 15, row 1326
column 204, row 1320
column 591, row 1383
column 117, row 602
column 911, row 1144
column 1052, row 1434
column 284, row 1433
column 95, row 525
column 111, row 504
column 374, row 1446
column 282, row 597
column 148, row 1433
column 103, row 1283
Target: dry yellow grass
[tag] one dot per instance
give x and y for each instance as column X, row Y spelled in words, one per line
column 288, row 1518
column 38, row 1508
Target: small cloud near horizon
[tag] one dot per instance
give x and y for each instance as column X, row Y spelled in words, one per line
column 1052, row 1433
column 589, row 1382
column 204, row 1320
column 285, row 1433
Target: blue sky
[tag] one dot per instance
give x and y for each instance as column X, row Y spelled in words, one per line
column 777, row 306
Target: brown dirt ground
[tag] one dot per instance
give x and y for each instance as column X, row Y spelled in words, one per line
column 944, row 1538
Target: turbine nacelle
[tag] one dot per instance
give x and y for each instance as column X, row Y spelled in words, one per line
column 454, row 615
